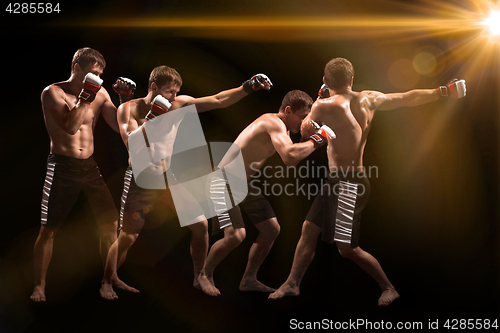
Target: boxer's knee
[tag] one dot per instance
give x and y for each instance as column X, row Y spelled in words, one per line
column 346, row 250
column 234, row 237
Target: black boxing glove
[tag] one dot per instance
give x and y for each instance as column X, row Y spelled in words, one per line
column 257, row 82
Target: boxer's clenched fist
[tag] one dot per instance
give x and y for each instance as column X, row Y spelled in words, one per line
column 124, row 86
column 257, row 82
column 454, row 89
column 322, row 136
column 159, row 106
column 323, row 92
column 91, row 85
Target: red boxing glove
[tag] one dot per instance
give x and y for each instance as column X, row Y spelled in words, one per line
column 323, row 134
column 91, row 85
column 159, row 106
column 127, row 90
column 454, row 89
column 323, row 92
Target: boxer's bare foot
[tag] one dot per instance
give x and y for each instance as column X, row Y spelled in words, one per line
column 107, row 292
column 123, row 286
column 255, row 285
column 388, row 296
column 285, row 290
column 38, row 294
column 206, row 286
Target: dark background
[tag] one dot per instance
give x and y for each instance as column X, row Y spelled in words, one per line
column 432, row 216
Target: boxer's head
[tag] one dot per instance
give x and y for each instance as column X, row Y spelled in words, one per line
column 87, row 59
column 166, row 81
column 164, row 75
column 295, row 106
column 339, row 73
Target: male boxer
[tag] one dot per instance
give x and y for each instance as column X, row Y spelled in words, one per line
column 265, row 136
column 164, row 84
column 71, row 109
column 337, row 209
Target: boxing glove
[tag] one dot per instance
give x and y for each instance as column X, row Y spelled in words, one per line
column 323, row 92
column 91, row 85
column 454, row 89
column 256, row 83
column 320, row 137
column 159, row 106
column 124, row 91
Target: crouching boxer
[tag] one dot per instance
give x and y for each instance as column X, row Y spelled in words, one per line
column 260, row 140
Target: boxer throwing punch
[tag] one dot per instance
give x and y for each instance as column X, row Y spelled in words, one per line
column 337, row 213
column 260, row 140
column 71, row 109
column 164, row 84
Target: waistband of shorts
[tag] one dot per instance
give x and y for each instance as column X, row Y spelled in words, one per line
column 356, row 176
column 63, row 159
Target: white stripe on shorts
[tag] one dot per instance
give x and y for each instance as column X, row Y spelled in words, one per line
column 127, row 179
column 49, row 178
column 218, row 190
column 345, row 211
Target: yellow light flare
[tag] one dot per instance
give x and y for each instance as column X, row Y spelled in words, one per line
column 493, row 22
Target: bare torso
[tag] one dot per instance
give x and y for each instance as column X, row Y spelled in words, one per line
column 349, row 115
column 80, row 144
column 255, row 142
column 132, row 114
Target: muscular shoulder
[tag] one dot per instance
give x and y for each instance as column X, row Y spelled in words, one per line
column 270, row 122
column 53, row 91
column 53, row 96
column 371, row 98
column 329, row 105
column 181, row 101
column 131, row 108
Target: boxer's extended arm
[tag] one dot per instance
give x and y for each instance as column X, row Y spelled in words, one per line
column 70, row 119
column 381, row 101
column 108, row 111
column 228, row 97
column 218, row 101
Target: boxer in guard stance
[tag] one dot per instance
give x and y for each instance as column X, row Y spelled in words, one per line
column 71, row 109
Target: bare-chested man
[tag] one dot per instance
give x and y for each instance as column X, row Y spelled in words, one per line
column 260, row 140
column 136, row 201
column 71, row 109
column 337, row 210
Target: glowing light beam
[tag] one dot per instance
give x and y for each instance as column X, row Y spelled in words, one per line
column 493, row 22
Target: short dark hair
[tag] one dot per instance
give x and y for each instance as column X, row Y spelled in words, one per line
column 338, row 73
column 163, row 75
column 296, row 99
column 87, row 56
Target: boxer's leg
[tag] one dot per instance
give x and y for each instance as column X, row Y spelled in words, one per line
column 268, row 231
column 370, row 265
column 116, row 256
column 304, row 254
column 220, row 249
